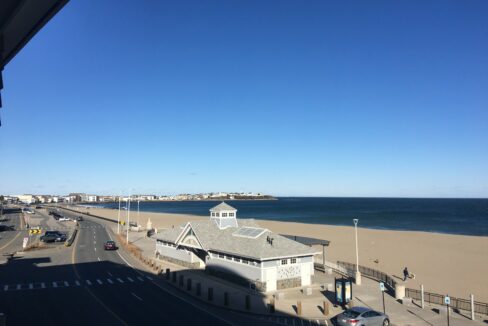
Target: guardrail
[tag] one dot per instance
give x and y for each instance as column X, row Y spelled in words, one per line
column 86, row 213
column 336, row 268
column 369, row 272
column 456, row 303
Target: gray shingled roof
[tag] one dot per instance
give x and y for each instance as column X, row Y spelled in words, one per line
column 213, row 239
column 223, row 206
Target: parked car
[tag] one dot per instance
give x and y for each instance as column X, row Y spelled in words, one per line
column 53, row 236
column 79, row 218
column 110, row 245
column 359, row 316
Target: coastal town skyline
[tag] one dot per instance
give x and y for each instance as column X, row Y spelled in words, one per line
column 304, row 99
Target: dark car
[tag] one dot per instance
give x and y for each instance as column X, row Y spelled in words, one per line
column 53, row 236
column 359, row 316
column 79, row 218
column 110, row 245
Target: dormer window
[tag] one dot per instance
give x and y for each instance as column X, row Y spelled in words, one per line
column 224, row 214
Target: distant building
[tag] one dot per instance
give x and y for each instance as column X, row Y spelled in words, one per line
column 27, row 199
column 238, row 250
column 91, row 198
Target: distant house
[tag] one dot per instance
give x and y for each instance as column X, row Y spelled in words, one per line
column 27, row 199
column 238, row 250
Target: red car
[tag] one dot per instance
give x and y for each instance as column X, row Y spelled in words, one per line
column 110, row 245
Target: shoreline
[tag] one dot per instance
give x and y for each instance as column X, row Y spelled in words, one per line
column 443, row 263
column 290, row 221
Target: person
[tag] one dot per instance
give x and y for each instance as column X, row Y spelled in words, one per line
column 405, row 274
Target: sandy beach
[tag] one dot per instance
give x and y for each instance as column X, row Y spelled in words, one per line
column 446, row 264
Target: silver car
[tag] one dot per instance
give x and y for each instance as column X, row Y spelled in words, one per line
column 362, row 316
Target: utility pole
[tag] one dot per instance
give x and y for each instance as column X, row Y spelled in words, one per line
column 358, row 274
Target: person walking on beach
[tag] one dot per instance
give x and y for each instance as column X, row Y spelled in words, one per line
column 405, row 274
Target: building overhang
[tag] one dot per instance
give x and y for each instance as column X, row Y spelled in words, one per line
column 19, row 22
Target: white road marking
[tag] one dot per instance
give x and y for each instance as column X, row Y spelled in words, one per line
column 110, row 281
column 77, row 283
column 99, row 259
column 130, row 279
column 43, row 286
column 120, row 280
column 99, row 282
column 55, row 285
column 95, row 248
column 66, row 283
column 149, row 278
column 136, row 296
column 88, row 282
column 5, row 287
column 140, row 279
column 109, row 274
column 31, row 286
column 19, row 286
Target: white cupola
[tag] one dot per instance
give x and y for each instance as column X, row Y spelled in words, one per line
column 224, row 215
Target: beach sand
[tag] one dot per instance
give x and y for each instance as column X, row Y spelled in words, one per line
column 446, row 264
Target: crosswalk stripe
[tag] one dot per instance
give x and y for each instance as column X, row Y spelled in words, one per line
column 99, row 282
column 43, row 286
column 140, row 279
column 66, row 284
column 55, row 285
column 31, row 286
column 130, row 279
column 120, row 280
column 88, row 282
column 110, row 281
column 149, row 278
column 77, row 283
column 5, row 287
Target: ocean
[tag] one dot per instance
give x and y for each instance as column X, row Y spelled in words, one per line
column 451, row 216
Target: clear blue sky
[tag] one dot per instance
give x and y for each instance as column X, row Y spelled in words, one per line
column 345, row 98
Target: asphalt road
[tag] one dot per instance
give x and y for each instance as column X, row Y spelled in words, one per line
column 84, row 284
column 11, row 233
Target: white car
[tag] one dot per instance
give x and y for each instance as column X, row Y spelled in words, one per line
column 62, row 219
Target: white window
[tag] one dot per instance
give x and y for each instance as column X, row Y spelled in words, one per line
column 245, row 261
column 213, row 214
column 231, row 214
column 228, row 257
column 224, row 214
column 237, row 259
column 221, row 256
column 293, row 261
column 284, row 261
column 216, row 214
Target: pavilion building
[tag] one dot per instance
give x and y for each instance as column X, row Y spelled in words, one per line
column 238, row 250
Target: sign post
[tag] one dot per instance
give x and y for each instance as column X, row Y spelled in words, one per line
column 382, row 289
column 447, row 301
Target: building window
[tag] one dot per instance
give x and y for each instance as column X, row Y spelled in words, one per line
column 221, row 256
column 224, row 214
column 216, row 214
column 284, row 261
column 231, row 214
column 213, row 214
column 293, row 261
column 228, row 257
column 237, row 259
column 245, row 261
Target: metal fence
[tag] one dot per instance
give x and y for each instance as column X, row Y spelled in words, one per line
column 456, row 303
column 369, row 272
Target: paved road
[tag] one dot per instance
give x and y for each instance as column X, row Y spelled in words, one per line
column 85, row 284
column 11, row 233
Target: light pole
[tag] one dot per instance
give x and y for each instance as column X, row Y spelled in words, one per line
column 118, row 217
column 138, row 199
column 128, row 220
column 358, row 274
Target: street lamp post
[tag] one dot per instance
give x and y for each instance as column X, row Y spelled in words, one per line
column 128, row 221
column 138, row 199
column 357, row 274
column 118, row 217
